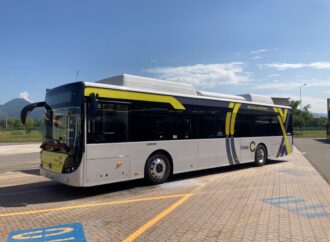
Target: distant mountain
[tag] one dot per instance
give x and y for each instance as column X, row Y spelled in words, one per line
column 320, row 115
column 13, row 109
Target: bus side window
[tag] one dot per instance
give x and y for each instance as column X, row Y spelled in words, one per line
column 183, row 127
column 110, row 124
column 108, row 119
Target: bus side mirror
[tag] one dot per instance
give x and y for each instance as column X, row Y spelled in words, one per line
column 27, row 109
column 93, row 101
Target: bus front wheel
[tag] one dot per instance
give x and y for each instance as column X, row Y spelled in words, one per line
column 158, row 168
column 260, row 156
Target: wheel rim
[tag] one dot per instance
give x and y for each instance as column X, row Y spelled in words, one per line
column 158, row 168
column 261, row 155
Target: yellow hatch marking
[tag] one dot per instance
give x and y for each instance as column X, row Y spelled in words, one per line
column 233, row 118
column 139, row 96
column 153, row 221
column 92, row 205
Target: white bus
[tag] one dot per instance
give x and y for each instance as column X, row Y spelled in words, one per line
column 128, row 127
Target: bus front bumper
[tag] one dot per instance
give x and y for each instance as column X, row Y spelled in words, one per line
column 71, row 179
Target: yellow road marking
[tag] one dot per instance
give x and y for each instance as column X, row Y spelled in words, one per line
column 58, row 240
column 153, row 221
column 92, row 205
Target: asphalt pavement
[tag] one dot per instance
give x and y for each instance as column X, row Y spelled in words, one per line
column 317, row 151
column 19, row 156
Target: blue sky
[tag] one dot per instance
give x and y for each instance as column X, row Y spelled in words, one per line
column 263, row 47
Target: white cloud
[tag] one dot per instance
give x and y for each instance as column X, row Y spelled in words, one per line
column 254, row 52
column 25, row 95
column 292, row 85
column 204, row 75
column 318, row 105
column 273, row 75
column 287, row 66
column 256, row 57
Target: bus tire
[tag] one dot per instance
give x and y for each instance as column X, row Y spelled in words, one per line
column 157, row 169
column 260, row 156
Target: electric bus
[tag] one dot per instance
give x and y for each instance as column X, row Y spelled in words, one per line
column 128, row 127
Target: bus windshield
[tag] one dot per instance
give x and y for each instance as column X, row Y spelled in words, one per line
column 63, row 119
column 63, row 130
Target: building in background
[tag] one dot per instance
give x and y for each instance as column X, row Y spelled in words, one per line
column 284, row 101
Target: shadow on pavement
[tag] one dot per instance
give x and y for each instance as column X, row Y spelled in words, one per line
column 324, row 141
column 35, row 172
column 49, row 191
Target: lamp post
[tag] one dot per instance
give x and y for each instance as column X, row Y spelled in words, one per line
column 301, row 108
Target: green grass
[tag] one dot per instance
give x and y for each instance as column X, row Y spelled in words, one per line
column 20, row 136
column 310, row 134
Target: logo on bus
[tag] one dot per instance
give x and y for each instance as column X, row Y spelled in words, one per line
column 252, row 146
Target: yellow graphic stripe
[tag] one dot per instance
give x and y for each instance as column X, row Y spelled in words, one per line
column 228, row 116
column 285, row 115
column 153, row 221
column 92, row 205
column 233, row 118
column 288, row 147
column 138, row 96
column 281, row 113
column 281, row 119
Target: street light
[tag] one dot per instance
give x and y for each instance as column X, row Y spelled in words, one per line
column 301, row 108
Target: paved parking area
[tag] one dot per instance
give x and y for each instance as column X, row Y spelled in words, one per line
column 286, row 200
column 317, row 151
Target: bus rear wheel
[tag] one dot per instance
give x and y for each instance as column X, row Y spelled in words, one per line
column 157, row 169
column 260, row 156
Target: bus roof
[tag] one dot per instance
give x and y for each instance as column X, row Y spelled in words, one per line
column 150, row 85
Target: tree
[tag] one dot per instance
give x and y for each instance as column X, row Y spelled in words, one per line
column 297, row 115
